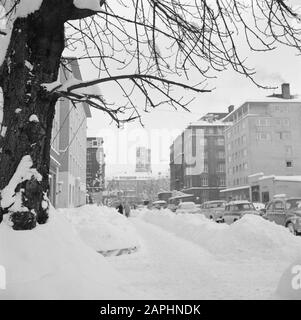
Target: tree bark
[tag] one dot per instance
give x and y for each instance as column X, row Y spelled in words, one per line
column 33, row 57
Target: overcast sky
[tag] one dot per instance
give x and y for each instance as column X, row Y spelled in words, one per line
column 163, row 124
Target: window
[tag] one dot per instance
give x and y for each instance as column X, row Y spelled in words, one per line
column 283, row 122
column 205, row 167
column 221, row 155
column 263, row 136
column 283, row 135
column 221, row 167
column 289, row 164
column 278, row 206
column 263, row 122
column 204, row 181
column 222, row 181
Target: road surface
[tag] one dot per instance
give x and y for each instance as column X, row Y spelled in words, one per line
column 169, row 267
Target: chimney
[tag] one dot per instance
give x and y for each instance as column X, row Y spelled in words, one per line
column 286, row 91
column 231, row 108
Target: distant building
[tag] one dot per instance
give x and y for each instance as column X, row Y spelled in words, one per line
column 68, row 147
column 197, row 159
column 143, row 159
column 95, row 165
column 265, row 138
column 134, row 189
column 137, row 188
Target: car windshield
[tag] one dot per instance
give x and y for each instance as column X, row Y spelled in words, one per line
column 216, row 205
column 293, row 204
column 242, row 207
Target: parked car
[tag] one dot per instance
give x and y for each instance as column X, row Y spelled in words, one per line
column 160, row 204
column 188, row 207
column 285, row 211
column 214, row 209
column 235, row 210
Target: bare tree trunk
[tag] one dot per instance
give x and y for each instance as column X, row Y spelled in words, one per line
column 33, row 58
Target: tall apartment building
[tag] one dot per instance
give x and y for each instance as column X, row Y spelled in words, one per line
column 68, row 147
column 143, row 159
column 197, row 159
column 95, row 164
column 265, row 138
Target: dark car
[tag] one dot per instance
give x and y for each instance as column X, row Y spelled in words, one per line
column 285, row 212
column 235, row 210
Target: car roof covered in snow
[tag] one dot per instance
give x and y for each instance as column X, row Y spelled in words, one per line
column 238, row 202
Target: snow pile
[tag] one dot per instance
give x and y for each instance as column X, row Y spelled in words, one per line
column 250, row 237
column 52, row 262
column 102, row 228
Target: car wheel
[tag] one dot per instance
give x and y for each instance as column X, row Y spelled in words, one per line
column 291, row 228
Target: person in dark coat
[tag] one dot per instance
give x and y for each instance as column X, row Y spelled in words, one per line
column 120, row 208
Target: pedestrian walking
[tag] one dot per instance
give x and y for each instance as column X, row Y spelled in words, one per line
column 127, row 209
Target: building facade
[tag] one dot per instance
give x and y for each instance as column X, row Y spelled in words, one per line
column 197, row 159
column 95, row 165
column 264, row 138
column 143, row 159
column 68, row 147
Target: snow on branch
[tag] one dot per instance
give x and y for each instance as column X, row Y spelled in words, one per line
column 94, row 5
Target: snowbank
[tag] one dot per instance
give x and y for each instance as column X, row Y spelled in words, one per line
column 102, row 228
column 250, row 237
column 52, row 262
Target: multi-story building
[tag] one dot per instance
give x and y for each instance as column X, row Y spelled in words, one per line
column 197, row 159
column 143, row 159
column 95, row 165
column 265, row 138
column 68, row 152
